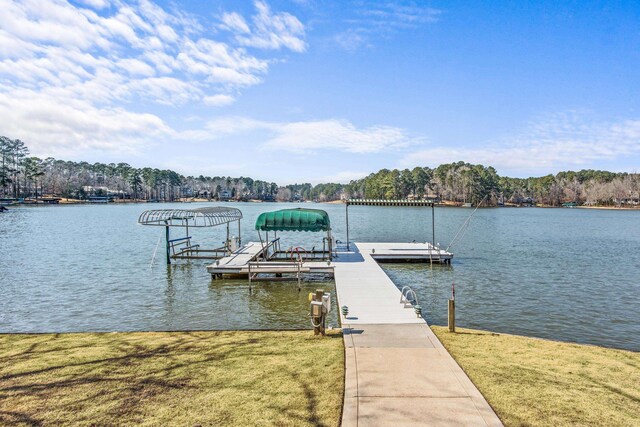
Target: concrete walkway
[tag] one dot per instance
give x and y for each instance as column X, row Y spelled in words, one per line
column 397, row 371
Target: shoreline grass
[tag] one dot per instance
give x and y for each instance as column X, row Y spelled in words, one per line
column 172, row 378
column 537, row 382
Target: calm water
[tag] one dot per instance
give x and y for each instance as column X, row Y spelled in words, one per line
column 567, row 274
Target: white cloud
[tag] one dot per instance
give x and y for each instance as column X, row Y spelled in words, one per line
column 64, row 129
column 552, row 143
column 96, row 4
column 373, row 19
column 136, row 67
column 235, row 22
column 312, row 136
column 351, row 40
column 336, row 134
column 96, row 59
column 400, row 14
column 49, row 38
column 268, row 30
column 219, row 100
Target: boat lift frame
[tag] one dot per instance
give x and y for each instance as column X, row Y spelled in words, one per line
column 194, row 218
column 381, row 202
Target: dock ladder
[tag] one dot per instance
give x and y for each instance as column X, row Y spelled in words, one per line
column 254, row 268
column 409, row 298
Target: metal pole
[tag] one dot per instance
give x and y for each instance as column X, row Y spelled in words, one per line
column 433, row 225
column 239, row 238
column 347, row 209
column 167, row 237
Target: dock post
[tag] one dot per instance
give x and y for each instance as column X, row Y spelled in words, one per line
column 347, row 211
column 452, row 315
column 167, row 236
column 433, row 225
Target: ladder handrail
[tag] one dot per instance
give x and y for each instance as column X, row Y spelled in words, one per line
column 404, row 298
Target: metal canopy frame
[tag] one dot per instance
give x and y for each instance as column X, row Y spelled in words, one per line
column 200, row 217
column 401, row 202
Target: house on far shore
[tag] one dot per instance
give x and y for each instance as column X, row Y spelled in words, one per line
column 224, row 196
column 628, row 201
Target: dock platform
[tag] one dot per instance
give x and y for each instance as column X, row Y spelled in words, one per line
column 396, row 370
column 246, row 260
column 406, row 252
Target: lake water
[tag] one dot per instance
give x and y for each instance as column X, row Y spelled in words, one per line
column 565, row 274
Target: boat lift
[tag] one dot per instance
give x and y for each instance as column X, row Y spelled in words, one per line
column 378, row 202
column 298, row 219
column 436, row 254
column 182, row 247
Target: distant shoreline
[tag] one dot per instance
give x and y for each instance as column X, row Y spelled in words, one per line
column 448, row 204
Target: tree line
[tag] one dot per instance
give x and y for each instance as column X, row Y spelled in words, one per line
column 462, row 182
column 22, row 175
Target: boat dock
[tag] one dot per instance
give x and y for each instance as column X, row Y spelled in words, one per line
column 406, row 252
column 396, row 370
column 246, row 261
column 250, row 258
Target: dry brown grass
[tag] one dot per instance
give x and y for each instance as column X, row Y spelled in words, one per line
column 534, row 382
column 180, row 378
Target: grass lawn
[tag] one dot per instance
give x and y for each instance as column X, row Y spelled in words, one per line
column 534, row 382
column 172, row 378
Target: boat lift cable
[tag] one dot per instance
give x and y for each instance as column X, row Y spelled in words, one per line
column 155, row 251
column 465, row 225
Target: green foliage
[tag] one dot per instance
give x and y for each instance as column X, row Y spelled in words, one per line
column 459, row 182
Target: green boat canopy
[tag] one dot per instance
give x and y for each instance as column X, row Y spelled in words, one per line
column 294, row 220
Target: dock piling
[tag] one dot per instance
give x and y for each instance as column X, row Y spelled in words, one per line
column 168, row 250
column 452, row 315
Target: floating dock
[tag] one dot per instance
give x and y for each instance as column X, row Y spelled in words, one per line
column 250, row 258
column 406, row 252
column 249, row 261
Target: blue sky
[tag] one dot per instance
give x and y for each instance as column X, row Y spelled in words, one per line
column 318, row 91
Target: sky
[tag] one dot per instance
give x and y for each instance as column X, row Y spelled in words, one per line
column 324, row 91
